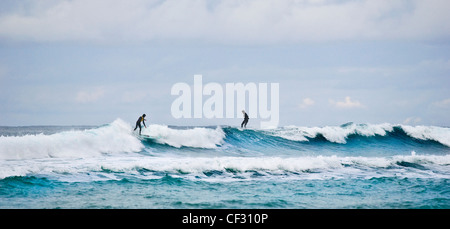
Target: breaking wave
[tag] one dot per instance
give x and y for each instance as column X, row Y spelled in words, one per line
column 341, row 134
column 112, row 138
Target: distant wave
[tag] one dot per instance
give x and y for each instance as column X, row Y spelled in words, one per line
column 340, row 134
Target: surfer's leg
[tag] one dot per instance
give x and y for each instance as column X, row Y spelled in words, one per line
column 242, row 124
column 245, row 123
column 140, row 128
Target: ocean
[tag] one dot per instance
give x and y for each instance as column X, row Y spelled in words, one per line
column 348, row 166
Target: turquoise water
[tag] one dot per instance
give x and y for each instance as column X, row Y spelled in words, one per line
column 168, row 192
column 348, row 166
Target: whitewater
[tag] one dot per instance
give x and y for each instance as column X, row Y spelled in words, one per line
column 110, row 166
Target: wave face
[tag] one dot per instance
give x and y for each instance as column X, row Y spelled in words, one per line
column 385, row 156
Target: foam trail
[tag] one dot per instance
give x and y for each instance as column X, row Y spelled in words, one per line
column 282, row 164
column 319, row 167
column 109, row 139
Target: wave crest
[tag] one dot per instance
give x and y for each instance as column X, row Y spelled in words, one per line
column 340, row 134
column 198, row 137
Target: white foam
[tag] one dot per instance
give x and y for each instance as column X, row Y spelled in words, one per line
column 196, row 137
column 113, row 138
column 317, row 167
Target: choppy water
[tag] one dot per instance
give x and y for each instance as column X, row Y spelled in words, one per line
column 347, row 166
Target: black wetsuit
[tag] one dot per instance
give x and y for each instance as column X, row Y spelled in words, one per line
column 138, row 124
column 244, row 123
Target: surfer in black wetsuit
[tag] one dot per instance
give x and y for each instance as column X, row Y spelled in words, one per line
column 138, row 123
column 244, row 123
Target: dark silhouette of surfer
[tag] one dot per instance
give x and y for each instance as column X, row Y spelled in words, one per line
column 244, row 123
column 138, row 123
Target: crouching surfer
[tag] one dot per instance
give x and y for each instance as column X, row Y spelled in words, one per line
column 138, row 123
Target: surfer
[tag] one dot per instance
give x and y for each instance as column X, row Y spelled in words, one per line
column 138, row 123
column 244, row 123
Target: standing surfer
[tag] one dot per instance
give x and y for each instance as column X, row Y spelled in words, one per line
column 138, row 123
column 244, row 123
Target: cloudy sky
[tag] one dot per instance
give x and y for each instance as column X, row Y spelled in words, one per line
column 88, row 62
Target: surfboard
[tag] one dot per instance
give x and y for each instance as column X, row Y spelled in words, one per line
column 145, row 136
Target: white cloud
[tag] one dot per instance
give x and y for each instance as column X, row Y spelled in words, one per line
column 443, row 103
column 412, row 120
column 90, row 96
column 306, row 102
column 347, row 103
column 262, row 21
